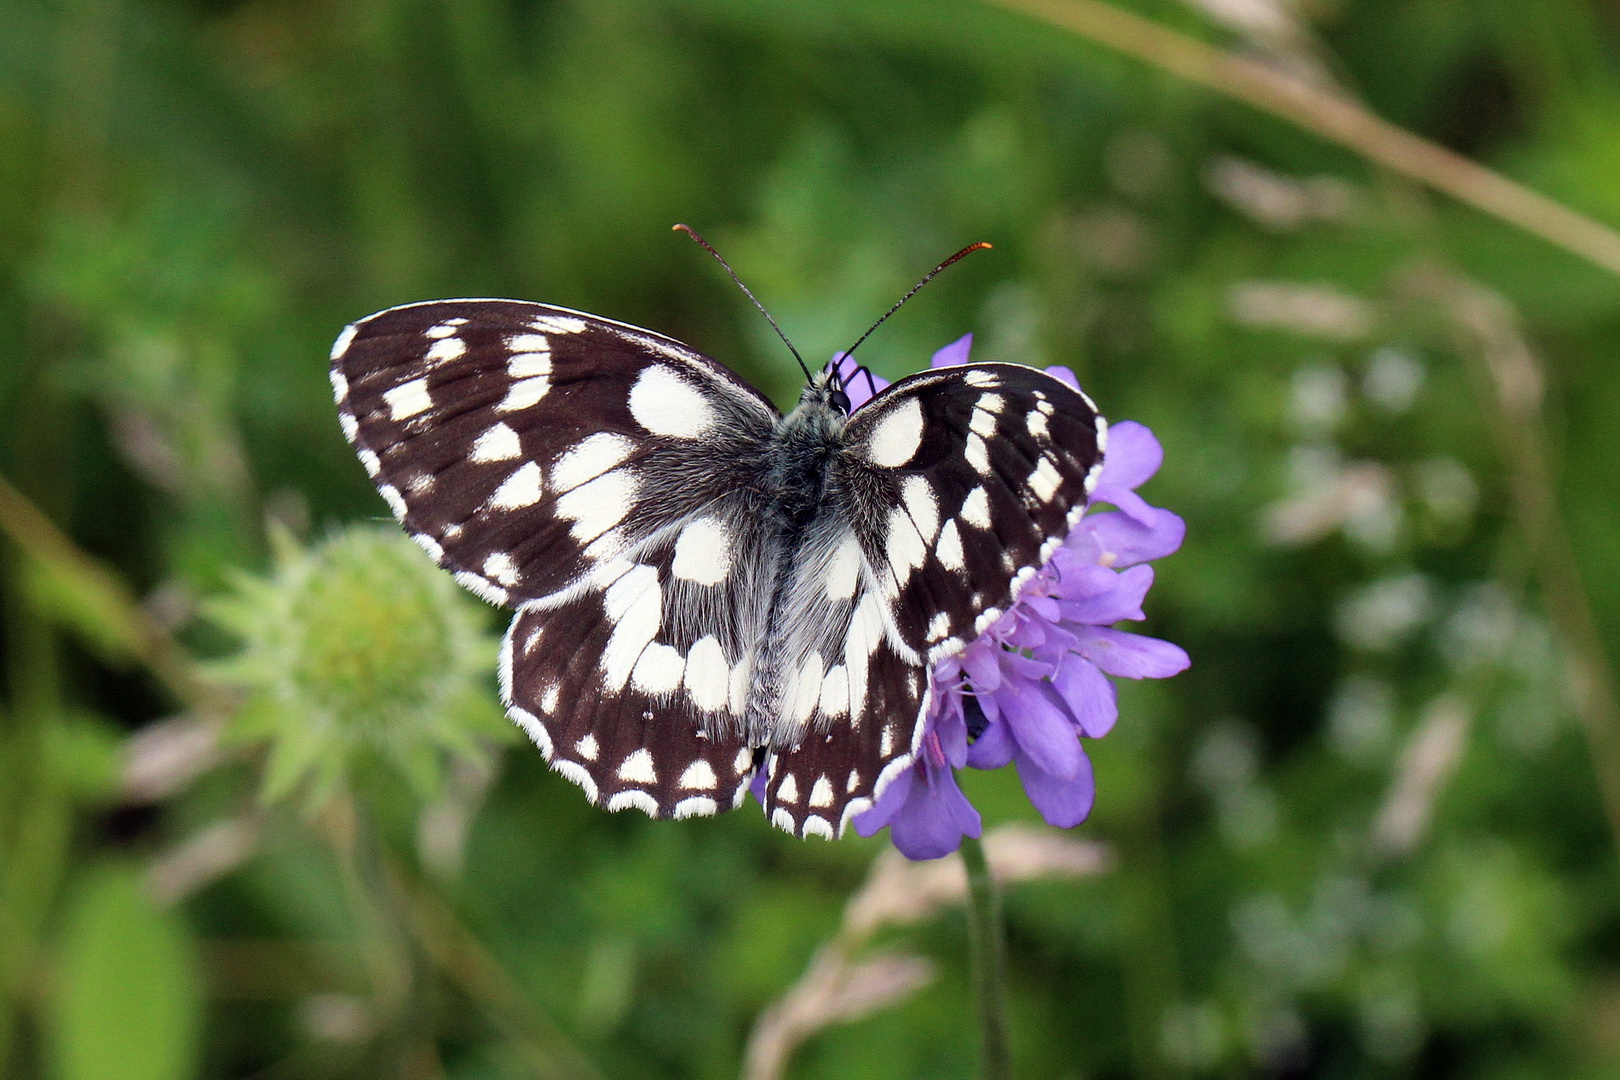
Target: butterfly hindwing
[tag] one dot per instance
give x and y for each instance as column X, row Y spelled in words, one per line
column 633, row 747
column 955, row 485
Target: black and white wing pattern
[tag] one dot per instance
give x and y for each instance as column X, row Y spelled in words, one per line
column 601, row 479
column 702, row 585
column 951, row 489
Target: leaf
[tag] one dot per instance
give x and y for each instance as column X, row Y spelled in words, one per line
column 128, row 1003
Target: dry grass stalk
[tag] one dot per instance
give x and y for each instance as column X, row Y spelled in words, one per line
column 840, row 985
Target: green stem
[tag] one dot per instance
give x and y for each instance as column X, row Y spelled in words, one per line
column 989, row 957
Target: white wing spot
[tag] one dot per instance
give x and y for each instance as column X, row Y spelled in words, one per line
column 1045, row 480
column 743, row 762
column 599, row 505
column 918, row 495
column 640, row 800
column 906, row 549
column 446, row 350
column 886, row 742
column 707, row 674
column 897, row 435
column 949, row 548
column 822, row 793
column 408, row 399
column 835, row 691
column 392, row 497
column 345, row 339
column 1037, row 424
column 804, row 692
column 576, row 772
column 981, row 379
column 340, row 385
column 499, row 443
column 520, row 489
column 529, row 365
column 634, row 606
column 549, row 696
column 939, row 626
column 659, row 670
column 369, row 460
column 587, row 748
column 703, row 552
column 696, row 806
column 591, row 458
column 557, row 324
column 428, row 544
column 853, row 782
column 699, row 776
column 1043, row 406
column 351, row 426
column 500, row 567
column 844, row 569
column 976, row 508
column 666, row 404
column 524, row 393
column 445, row 329
column 977, row 454
column 638, row 768
column 528, row 343
column 788, row 792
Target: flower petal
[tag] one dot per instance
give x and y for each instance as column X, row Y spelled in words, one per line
column 888, row 805
column 935, row 818
column 954, row 354
column 1062, row 802
column 1132, row 656
column 1127, row 500
column 1126, row 542
column 992, row 749
column 1123, row 601
column 1134, row 455
column 1043, row 731
column 1090, row 696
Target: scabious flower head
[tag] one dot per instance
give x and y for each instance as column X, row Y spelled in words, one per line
column 357, row 652
column 1037, row 680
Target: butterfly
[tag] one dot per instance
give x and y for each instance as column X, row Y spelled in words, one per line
column 709, row 593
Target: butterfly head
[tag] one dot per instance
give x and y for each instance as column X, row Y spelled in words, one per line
column 825, row 392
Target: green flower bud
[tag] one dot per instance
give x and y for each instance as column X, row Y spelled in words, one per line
column 354, row 652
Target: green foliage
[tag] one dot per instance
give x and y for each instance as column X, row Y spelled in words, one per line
column 128, row 1001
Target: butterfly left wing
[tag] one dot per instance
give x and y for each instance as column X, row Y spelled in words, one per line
column 958, row 484
column 603, row 480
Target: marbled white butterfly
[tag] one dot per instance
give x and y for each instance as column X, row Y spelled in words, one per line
column 705, row 588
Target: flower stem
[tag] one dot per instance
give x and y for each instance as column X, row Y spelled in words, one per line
column 989, row 957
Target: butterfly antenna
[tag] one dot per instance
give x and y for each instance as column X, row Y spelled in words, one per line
column 689, row 231
column 970, row 249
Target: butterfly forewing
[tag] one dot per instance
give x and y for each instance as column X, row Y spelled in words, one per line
column 603, row 480
column 955, row 485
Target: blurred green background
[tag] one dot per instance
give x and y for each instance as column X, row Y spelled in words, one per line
column 259, row 816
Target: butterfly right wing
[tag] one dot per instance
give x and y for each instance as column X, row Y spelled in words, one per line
column 605, row 481
column 956, row 485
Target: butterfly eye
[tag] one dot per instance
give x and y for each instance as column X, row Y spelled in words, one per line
column 840, row 401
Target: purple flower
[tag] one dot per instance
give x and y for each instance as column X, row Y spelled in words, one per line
column 1037, row 679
